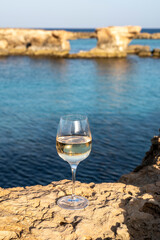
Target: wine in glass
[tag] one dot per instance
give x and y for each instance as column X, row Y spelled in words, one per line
column 73, row 143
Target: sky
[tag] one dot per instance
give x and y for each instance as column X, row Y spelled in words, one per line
column 79, row 13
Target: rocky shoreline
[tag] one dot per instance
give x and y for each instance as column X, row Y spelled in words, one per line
column 146, row 35
column 111, row 42
column 128, row 209
column 143, row 51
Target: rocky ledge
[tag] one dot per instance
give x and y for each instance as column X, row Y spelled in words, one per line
column 143, row 51
column 146, row 35
column 111, row 42
column 128, row 209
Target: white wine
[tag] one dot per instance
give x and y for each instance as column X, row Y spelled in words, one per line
column 73, row 146
column 73, row 149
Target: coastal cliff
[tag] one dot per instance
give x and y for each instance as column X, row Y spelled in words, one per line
column 128, row 209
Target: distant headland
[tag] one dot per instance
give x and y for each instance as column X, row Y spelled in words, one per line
column 111, row 42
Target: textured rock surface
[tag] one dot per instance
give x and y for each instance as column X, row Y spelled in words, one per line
column 38, row 42
column 68, row 35
column 33, row 42
column 129, row 209
column 111, row 42
column 143, row 51
column 135, row 49
column 152, row 156
column 114, row 40
column 148, row 36
column 156, row 53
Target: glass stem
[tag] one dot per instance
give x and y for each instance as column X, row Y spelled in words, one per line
column 73, row 168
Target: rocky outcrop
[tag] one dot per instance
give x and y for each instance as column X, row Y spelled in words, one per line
column 114, row 40
column 156, row 53
column 38, row 42
column 127, row 210
column 145, row 35
column 136, row 49
column 111, row 42
column 152, row 157
column 75, row 35
column 143, row 51
column 68, row 35
column 33, row 42
column 140, row 50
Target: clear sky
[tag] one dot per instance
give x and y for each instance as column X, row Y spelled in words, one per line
column 79, row 13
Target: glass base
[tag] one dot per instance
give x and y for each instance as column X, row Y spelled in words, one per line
column 75, row 203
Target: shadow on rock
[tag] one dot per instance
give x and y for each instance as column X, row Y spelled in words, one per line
column 142, row 207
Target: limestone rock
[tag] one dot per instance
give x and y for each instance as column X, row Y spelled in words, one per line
column 116, row 211
column 155, row 36
column 19, row 50
column 18, row 42
column 38, row 42
column 148, row 36
column 135, row 49
column 156, row 53
column 127, row 210
column 3, row 44
column 111, row 42
column 114, row 40
column 83, row 35
column 152, row 156
column 144, row 53
column 144, row 35
column 68, row 35
column 45, row 51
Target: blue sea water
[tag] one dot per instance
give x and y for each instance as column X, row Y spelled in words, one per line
column 120, row 97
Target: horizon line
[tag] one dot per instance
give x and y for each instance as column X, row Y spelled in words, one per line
column 73, row 27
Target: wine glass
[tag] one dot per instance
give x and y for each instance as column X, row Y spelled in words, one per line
column 73, row 143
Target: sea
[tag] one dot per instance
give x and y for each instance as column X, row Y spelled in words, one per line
column 121, row 98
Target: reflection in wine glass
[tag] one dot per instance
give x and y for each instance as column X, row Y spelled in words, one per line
column 73, row 143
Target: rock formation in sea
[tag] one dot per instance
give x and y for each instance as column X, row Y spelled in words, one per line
column 140, row 50
column 126, row 210
column 135, row 49
column 38, row 42
column 156, row 53
column 33, row 42
column 111, row 42
column 143, row 51
column 146, row 35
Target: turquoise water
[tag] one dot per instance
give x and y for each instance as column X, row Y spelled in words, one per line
column 155, row 43
column 87, row 44
column 120, row 97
